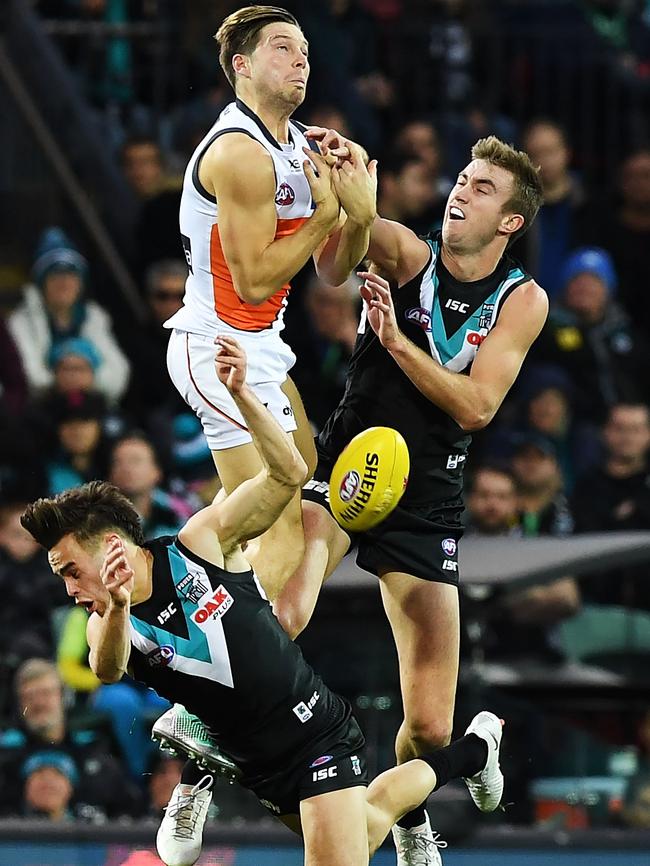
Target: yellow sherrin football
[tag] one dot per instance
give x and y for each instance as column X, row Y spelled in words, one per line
column 369, row 478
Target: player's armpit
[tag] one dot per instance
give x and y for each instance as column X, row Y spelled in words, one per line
column 502, row 353
column 240, row 173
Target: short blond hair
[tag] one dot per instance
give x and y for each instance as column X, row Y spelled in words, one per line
column 35, row 669
column 527, row 195
column 239, row 33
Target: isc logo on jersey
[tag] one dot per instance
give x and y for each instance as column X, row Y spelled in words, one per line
column 214, row 607
column 369, row 478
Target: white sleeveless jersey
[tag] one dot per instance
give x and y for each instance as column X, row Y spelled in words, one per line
column 211, row 303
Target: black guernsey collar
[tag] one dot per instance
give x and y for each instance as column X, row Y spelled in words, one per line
column 265, row 132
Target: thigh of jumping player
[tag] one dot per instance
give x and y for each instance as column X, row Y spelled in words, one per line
column 190, row 361
column 333, row 762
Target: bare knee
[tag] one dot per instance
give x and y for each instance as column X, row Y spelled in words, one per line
column 427, row 735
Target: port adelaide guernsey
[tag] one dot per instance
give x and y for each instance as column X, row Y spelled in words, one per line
column 208, row 639
column 448, row 319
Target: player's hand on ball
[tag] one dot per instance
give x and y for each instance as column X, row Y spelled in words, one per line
column 380, row 310
column 230, row 362
column 116, row 573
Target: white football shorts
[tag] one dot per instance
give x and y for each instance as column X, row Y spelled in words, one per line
column 190, row 362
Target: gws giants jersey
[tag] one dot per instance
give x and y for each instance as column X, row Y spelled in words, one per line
column 210, row 302
column 448, row 319
column 208, row 639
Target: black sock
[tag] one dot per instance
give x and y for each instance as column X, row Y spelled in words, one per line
column 192, row 774
column 413, row 818
column 464, row 757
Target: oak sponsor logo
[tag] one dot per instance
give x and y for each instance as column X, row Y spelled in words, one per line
column 215, row 607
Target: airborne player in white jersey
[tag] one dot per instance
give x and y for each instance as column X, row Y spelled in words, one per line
column 253, row 210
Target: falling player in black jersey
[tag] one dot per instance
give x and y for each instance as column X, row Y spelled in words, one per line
column 441, row 341
column 186, row 615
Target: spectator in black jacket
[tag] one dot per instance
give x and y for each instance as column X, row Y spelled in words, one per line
column 27, row 585
column 101, row 786
column 593, row 339
column 616, row 496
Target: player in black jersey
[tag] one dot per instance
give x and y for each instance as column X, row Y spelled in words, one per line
column 447, row 322
column 186, row 615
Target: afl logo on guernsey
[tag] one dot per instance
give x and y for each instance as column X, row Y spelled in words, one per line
column 161, row 656
column 449, row 546
column 420, row 316
column 285, row 196
column 349, row 486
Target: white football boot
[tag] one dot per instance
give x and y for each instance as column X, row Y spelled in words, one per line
column 180, row 835
column 418, row 846
column 486, row 786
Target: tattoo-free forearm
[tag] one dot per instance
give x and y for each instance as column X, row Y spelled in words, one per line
column 343, row 252
column 111, row 644
column 280, row 261
column 275, row 447
column 455, row 393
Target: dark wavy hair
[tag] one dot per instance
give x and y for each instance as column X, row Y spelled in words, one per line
column 84, row 512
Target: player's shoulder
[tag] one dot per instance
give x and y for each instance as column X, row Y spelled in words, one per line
column 237, row 149
column 525, row 310
column 529, row 294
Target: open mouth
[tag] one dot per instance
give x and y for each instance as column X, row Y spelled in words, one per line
column 455, row 213
column 88, row 605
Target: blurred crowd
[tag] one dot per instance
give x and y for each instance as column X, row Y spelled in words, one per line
column 84, row 391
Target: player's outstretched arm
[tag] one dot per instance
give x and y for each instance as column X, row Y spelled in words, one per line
column 257, row 503
column 240, row 173
column 472, row 401
column 108, row 635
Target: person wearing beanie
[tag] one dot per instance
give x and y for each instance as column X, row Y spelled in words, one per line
column 55, row 309
column 591, row 338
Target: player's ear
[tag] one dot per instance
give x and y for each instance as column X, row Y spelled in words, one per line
column 241, row 65
column 511, row 223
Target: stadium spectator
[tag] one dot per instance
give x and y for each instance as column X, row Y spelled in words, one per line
column 128, row 705
column 150, row 387
column 78, row 419
column 420, row 139
column 50, row 778
column 74, row 363
column 548, row 398
column 622, row 226
column 54, row 308
column 593, row 339
column 27, row 585
column 542, row 504
column 355, row 83
column 616, row 496
column 519, row 621
column 323, row 345
column 142, row 163
column 407, row 193
column 41, row 725
column 135, row 469
column 554, row 233
column 13, row 384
